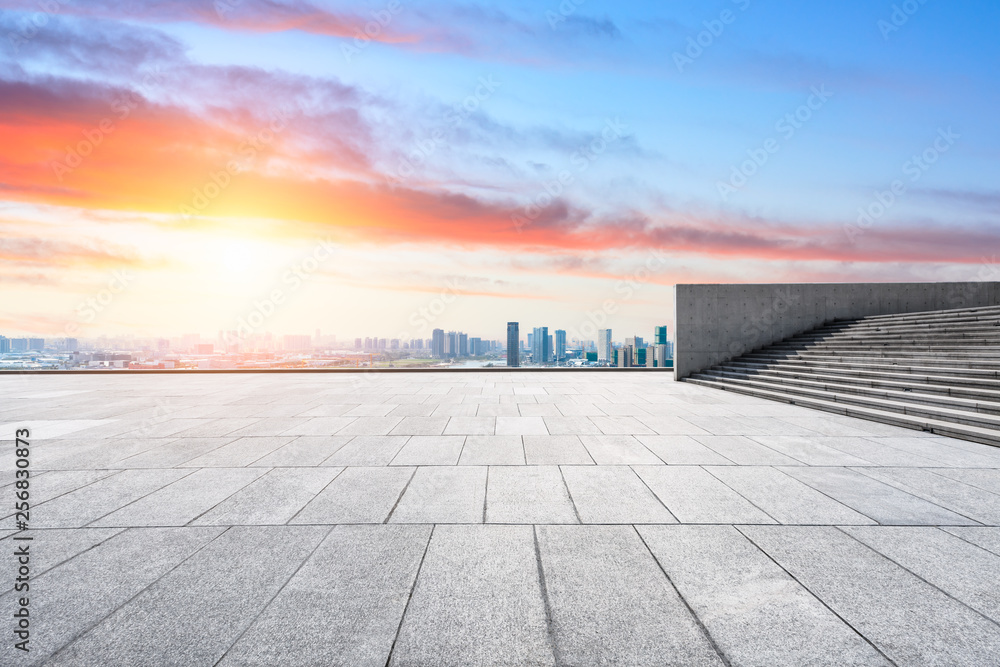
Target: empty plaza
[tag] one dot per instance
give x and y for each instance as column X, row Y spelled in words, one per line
column 490, row 518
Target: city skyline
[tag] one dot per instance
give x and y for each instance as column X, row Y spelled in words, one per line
column 168, row 169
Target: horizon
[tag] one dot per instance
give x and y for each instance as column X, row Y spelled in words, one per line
column 185, row 168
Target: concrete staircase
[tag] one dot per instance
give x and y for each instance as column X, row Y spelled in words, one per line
column 935, row 371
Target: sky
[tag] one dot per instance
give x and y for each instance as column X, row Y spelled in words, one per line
column 386, row 168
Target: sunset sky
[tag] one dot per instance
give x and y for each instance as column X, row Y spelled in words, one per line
column 386, row 168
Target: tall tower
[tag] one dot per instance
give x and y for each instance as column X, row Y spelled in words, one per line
column 541, row 350
column 604, row 345
column 437, row 343
column 513, row 345
column 660, row 335
column 560, row 345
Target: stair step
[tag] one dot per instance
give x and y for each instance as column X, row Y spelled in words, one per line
column 963, row 431
column 936, row 370
column 964, row 404
column 980, row 394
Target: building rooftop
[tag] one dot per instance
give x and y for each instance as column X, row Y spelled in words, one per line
column 474, row 518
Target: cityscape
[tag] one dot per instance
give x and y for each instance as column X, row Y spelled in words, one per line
column 443, row 350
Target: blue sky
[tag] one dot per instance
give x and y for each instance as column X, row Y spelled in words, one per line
column 747, row 158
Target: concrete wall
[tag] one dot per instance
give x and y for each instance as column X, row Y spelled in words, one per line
column 715, row 323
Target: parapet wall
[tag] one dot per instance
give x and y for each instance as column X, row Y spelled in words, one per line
column 715, row 323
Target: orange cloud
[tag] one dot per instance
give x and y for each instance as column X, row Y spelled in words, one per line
column 111, row 150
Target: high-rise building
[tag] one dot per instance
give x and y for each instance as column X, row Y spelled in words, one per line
column 437, row 343
column 358, row 343
column 394, row 344
column 625, row 356
column 660, row 335
column 71, row 345
column 463, row 344
column 476, row 347
column 531, row 341
column 661, row 356
column 36, row 344
column 635, row 342
column 560, row 345
column 513, row 345
column 4, row 345
column 18, row 344
column 604, row 345
column 541, row 349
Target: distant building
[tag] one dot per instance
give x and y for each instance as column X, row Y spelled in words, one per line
column 18, row 344
column 358, row 343
column 660, row 335
column 205, row 348
column 71, row 345
column 604, row 345
column 541, row 349
column 661, row 355
column 560, row 345
column 36, row 344
column 476, row 347
column 437, row 343
column 4, row 345
column 297, row 343
column 162, row 345
column 394, row 344
column 513, row 345
column 625, row 356
column 463, row 344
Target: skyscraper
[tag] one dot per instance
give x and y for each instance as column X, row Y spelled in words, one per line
column 541, row 349
column 560, row 347
column 463, row 344
column 604, row 345
column 437, row 343
column 660, row 335
column 513, row 345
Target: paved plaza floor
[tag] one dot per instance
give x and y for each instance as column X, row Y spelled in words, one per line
column 475, row 518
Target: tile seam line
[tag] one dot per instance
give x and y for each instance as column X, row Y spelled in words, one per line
column 576, row 512
column 399, row 498
column 315, row 495
column 145, row 588
column 658, row 499
column 989, row 551
column 911, row 572
column 753, row 438
column 409, row 598
column 697, row 619
column 267, row 472
column 112, row 472
column 919, row 497
column 752, row 503
column 90, row 524
column 350, row 439
column 824, row 493
column 117, row 531
column 543, row 588
column 267, row 604
column 935, row 470
column 817, row 597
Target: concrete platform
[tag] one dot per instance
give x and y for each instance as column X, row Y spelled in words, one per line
column 489, row 519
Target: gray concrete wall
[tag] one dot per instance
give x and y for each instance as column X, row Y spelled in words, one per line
column 715, row 323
